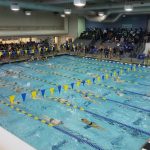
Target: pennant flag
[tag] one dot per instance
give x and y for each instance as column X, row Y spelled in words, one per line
column 118, row 73
column 93, row 80
column 88, row 82
column 98, row 78
column 59, row 88
column 23, row 96
column 134, row 68
column 66, row 87
column 121, row 71
column 33, row 94
column 103, row 77
column 78, row 83
column 12, row 99
column 83, row 82
column 111, row 74
column 52, row 91
column 72, row 85
column 107, row 76
column 43, row 92
column 115, row 73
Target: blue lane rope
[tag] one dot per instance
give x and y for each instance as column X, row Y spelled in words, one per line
column 117, row 122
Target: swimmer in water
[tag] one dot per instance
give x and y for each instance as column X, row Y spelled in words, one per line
column 53, row 121
column 9, row 73
column 119, row 93
column 123, row 95
column 4, row 85
column 18, row 90
column 85, row 96
column 63, row 101
column 91, row 124
column 117, row 79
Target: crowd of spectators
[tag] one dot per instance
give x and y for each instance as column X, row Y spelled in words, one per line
column 14, row 49
column 114, row 34
column 124, row 39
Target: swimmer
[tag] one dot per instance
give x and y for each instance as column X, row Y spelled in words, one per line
column 9, row 72
column 4, row 85
column 91, row 124
column 119, row 93
column 117, row 79
column 86, row 97
column 89, row 99
column 63, row 100
column 122, row 94
column 16, row 103
column 18, row 90
column 53, row 121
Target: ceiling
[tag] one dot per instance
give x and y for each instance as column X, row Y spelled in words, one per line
column 91, row 8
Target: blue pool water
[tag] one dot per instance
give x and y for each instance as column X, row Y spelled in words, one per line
column 122, row 110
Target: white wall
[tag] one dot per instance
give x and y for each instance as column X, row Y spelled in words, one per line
column 10, row 18
column 147, row 48
column 73, row 26
column 81, row 25
column 76, row 26
column 39, row 23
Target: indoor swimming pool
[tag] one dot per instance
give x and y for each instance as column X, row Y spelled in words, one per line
column 69, row 89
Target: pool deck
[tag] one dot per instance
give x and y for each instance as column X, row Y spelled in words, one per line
column 8, row 141
column 96, row 56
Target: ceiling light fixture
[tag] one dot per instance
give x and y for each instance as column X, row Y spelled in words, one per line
column 101, row 14
column 28, row 13
column 67, row 11
column 62, row 15
column 15, row 7
column 128, row 8
column 79, row 3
